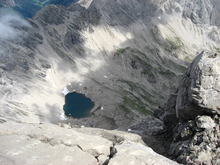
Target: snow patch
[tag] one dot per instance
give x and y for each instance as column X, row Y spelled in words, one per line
column 80, row 84
column 105, row 76
column 62, row 117
column 102, row 108
column 65, row 91
column 159, row 17
column 49, row 78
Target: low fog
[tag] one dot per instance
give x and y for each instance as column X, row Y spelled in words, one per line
column 12, row 25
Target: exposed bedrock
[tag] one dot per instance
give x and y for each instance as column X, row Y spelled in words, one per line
column 191, row 115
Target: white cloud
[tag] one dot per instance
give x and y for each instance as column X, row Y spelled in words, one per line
column 12, row 25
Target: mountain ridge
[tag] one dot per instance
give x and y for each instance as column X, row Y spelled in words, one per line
column 82, row 40
column 125, row 58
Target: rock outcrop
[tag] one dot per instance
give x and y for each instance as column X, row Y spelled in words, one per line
column 196, row 141
column 199, row 90
column 202, row 11
column 23, row 143
column 194, row 108
column 127, row 57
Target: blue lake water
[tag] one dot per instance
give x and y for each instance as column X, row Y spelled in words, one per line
column 77, row 105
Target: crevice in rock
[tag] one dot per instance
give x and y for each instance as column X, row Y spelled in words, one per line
column 79, row 147
column 113, row 151
column 106, row 162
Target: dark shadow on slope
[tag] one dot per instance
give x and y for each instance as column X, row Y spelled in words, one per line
column 51, row 117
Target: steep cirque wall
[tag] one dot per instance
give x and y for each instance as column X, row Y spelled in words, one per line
column 125, row 58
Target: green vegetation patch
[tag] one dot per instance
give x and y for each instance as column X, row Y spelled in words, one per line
column 121, row 50
column 2, row 121
column 149, row 73
column 18, row 107
column 175, row 43
column 22, row 113
column 216, row 49
column 134, row 104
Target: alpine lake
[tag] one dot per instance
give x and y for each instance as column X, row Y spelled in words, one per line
column 77, row 105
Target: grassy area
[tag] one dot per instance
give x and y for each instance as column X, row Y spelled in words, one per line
column 133, row 104
column 188, row 59
column 166, row 72
column 121, row 51
column 175, row 43
column 169, row 44
column 18, row 107
column 123, row 107
column 22, row 113
column 137, row 97
column 149, row 73
column 216, row 49
column 2, row 121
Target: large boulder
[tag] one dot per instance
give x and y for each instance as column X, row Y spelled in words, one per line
column 198, row 92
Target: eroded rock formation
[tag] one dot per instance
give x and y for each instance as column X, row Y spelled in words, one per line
column 191, row 115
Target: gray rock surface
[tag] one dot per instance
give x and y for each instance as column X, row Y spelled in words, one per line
column 52, row 14
column 202, row 12
column 196, row 141
column 205, row 122
column 23, row 143
column 198, row 92
column 127, row 57
column 131, row 153
column 194, row 126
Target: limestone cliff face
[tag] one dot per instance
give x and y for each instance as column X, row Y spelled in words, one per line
column 194, row 126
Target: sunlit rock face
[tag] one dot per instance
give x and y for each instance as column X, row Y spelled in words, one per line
column 191, row 115
column 66, row 144
column 127, row 57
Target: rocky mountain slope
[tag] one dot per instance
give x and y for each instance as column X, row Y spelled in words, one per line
column 128, row 57
column 190, row 117
column 127, row 63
